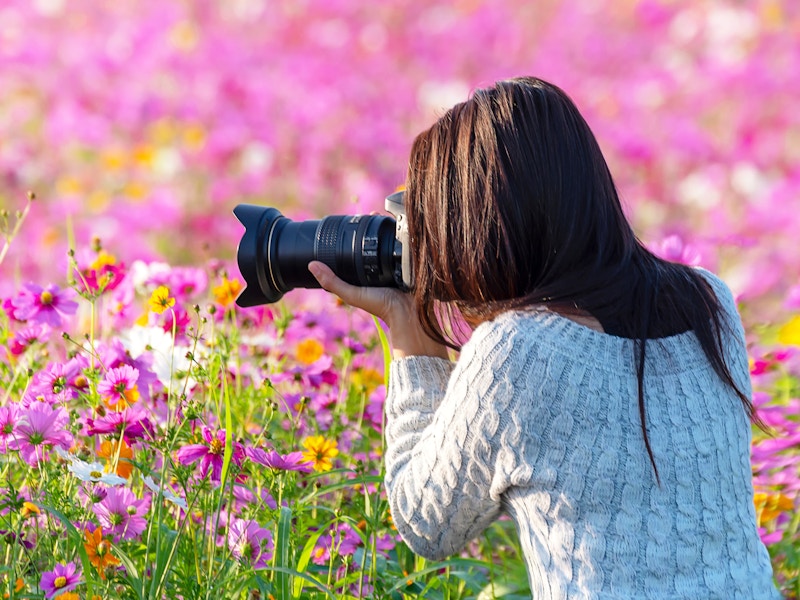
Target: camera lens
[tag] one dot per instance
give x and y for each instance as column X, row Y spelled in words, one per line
column 274, row 252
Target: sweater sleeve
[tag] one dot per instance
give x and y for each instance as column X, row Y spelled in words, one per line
column 443, row 437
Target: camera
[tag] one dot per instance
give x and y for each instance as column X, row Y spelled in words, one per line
column 363, row 250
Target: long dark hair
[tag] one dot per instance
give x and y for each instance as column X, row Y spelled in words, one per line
column 511, row 203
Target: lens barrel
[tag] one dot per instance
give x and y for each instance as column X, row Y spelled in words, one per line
column 274, row 252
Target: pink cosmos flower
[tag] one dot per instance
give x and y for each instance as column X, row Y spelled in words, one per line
column 243, row 496
column 119, row 389
column 374, row 409
column 132, row 423
column 792, row 301
column 314, row 375
column 61, row 579
column 247, row 540
column 27, row 337
column 210, row 454
column 121, row 513
column 54, row 383
column 40, row 427
column 674, row 249
column 9, row 415
column 283, row 462
column 43, row 305
column 343, row 539
column 114, row 355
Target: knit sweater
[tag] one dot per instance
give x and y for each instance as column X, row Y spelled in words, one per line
column 539, row 419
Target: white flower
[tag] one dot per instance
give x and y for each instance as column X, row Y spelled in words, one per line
column 169, row 360
column 168, row 494
column 93, row 472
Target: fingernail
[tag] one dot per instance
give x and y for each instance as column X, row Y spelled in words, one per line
column 315, row 271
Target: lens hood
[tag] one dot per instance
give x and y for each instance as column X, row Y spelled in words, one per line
column 251, row 255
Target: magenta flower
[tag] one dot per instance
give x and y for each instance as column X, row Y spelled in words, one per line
column 121, row 513
column 61, row 579
column 283, row 462
column 54, row 383
column 40, row 427
column 43, row 305
column 119, row 389
column 210, row 454
column 250, row 542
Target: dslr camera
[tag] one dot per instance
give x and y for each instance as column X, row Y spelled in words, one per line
column 274, row 252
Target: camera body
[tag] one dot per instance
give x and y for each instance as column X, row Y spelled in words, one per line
column 364, row 250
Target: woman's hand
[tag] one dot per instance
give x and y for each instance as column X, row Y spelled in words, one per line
column 392, row 306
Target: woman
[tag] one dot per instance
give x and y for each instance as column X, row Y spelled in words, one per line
column 603, row 398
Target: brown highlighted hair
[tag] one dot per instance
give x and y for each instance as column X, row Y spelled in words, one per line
column 511, row 203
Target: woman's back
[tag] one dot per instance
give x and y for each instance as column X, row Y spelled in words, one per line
column 547, row 421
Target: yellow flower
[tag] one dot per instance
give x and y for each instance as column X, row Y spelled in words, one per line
column 226, row 292
column 161, row 300
column 320, row 451
column 367, row 378
column 29, row 509
column 789, row 334
column 99, row 550
column 769, row 506
column 68, row 596
column 104, row 259
column 309, row 351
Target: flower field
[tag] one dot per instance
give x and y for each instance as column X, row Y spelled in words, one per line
column 156, row 441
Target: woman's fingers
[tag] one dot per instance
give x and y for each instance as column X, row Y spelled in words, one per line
column 377, row 301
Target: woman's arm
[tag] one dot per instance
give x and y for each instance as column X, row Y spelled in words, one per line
column 445, row 441
column 444, row 431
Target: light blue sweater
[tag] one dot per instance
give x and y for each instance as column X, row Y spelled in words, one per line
column 539, row 419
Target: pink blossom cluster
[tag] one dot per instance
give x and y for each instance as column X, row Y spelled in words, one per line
column 98, row 411
column 148, row 122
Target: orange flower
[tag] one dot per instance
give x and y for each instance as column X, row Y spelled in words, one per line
column 769, row 506
column 118, row 457
column 309, row 351
column 227, row 291
column 29, row 509
column 99, row 551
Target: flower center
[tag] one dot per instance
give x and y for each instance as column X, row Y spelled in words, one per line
column 35, row 438
column 60, row 582
column 217, row 446
column 115, row 519
column 95, row 474
column 46, row 298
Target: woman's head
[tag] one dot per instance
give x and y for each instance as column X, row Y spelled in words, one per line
column 510, row 201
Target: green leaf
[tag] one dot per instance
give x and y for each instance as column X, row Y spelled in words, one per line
column 282, row 551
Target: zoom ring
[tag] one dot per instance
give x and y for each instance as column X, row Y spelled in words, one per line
column 325, row 241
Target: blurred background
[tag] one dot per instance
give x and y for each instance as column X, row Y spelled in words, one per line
column 144, row 123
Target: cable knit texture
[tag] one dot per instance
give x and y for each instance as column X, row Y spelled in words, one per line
column 539, row 419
